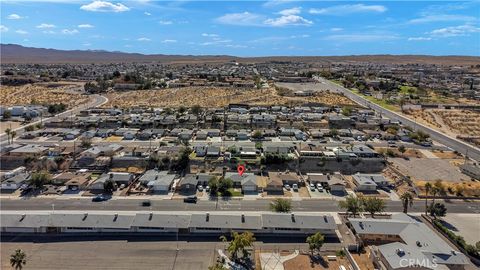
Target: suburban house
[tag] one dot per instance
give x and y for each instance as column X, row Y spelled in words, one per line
column 287, row 178
column 247, row 181
column 403, row 237
column 157, row 181
column 15, row 182
column 364, row 183
column 189, row 183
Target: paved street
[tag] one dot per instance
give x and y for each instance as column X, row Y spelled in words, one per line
column 129, row 204
column 473, row 152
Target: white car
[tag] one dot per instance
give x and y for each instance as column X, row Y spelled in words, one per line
column 287, row 187
column 295, row 187
column 312, row 186
column 200, row 188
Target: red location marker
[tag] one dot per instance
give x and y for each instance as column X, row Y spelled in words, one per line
column 241, row 169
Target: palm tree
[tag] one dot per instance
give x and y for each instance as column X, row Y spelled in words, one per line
column 8, row 131
column 18, row 259
column 407, row 201
column 13, row 134
column 428, row 187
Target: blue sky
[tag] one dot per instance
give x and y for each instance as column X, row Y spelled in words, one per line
column 246, row 28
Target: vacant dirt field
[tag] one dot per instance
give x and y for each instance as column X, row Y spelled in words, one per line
column 303, row 261
column 215, row 97
column 452, row 122
column 39, row 94
column 464, row 188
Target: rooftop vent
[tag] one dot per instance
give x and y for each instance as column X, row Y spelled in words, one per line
column 293, row 217
column 243, row 218
column 419, row 244
column 207, row 218
column 115, row 217
column 23, row 217
column 400, row 252
column 85, row 215
column 150, row 216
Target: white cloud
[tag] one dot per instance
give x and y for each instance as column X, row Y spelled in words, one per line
column 143, row 39
column 336, row 29
column 245, row 18
column 45, row 26
column 419, row 38
column 50, row 32
column 21, row 32
column 104, row 6
column 14, row 16
column 87, row 44
column 147, row 13
column 273, row 3
column 291, row 11
column 288, row 20
column 169, row 41
column 348, row 9
column 455, row 31
column 70, row 32
column 165, row 22
column 361, row 37
column 209, row 35
column 3, row 28
column 442, row 18
column 85, row 25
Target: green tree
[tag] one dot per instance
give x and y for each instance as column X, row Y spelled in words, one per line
column 351, row 204
column 224, row 184
column 281, row 205
column 196, row 109
column 402, row 149
column 108, row 186
column 373, row 205
column 437, row 210
column 7, row 114
column 18, row 259
column 257, row 134
column 213, row 184
column 85, row 142
column 407, row 201
column 315, row 242
column 239, row 244
column 39, row 179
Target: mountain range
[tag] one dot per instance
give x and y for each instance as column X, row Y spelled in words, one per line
column 18, row 54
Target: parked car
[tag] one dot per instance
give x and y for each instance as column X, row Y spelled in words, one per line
column 191, row 199
column 287, row 187
column 200, row 188
column 99, row 198
column 312, row 186
column 207, row 189
column 295, row 187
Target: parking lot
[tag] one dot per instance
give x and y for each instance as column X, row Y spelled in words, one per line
column 430, row 169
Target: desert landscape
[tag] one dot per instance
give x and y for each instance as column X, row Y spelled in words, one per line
column 215, row 97
column 40, row 94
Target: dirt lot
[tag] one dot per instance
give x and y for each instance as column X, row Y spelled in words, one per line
column 39, row 94
column 452, row 122
column 466, row 188
column 363, row 261
column 215, row 97
column 303, row 261
column 8, row 124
